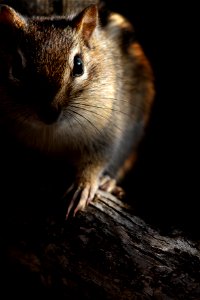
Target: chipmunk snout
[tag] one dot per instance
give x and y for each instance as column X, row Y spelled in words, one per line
column 50, row 114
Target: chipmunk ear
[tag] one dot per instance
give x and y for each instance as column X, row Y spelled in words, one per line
column 87, row 21
column 9, row 17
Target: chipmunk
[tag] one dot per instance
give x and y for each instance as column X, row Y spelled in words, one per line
column 76, row 88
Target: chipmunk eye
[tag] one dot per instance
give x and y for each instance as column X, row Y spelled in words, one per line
column 78, row 66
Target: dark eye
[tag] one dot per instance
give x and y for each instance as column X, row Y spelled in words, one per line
column 78, row 66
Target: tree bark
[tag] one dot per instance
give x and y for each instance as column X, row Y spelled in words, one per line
column 104, row 252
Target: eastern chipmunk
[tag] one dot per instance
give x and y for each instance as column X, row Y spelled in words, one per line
column 76, row 88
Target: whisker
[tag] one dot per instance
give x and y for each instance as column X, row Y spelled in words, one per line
column 88, row 110
column 101, row 107
column 114, row 100
column 105, row 117
column 94, row 112
column 93, row 126
column 71, row 113
column 68, row 119
column 116, row 105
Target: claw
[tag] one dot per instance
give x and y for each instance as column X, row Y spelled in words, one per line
column 68, row 191
column 77, row 192
column 107, row 184
column 83, row 200
column 110, row 185
column 83, row 195
column 92, row 193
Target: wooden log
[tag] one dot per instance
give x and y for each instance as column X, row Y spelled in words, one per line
column 104, row 252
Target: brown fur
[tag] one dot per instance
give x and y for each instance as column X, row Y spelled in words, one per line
column 103, row 112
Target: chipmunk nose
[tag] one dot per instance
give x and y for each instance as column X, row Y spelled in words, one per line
column 50, row 113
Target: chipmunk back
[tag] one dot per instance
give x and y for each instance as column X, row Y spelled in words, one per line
column 75, row 88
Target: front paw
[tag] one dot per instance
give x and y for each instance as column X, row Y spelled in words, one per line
column 81, row 193
column 109, row 185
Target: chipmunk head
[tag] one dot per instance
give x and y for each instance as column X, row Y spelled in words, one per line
column 48, row 69
column 43, row 61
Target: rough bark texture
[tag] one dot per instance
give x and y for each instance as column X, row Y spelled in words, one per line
column 103, row 253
